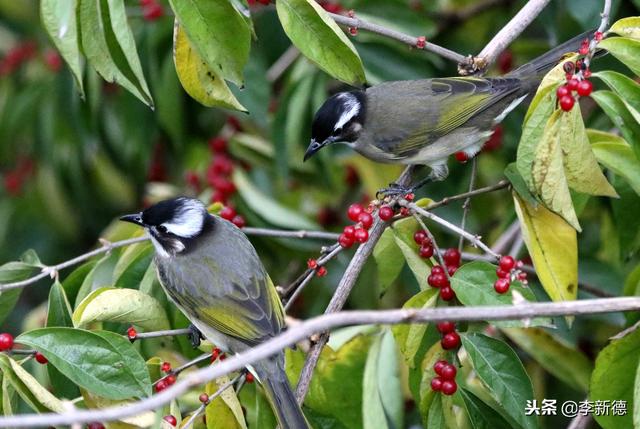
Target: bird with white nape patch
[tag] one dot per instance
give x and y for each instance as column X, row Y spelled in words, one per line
column 210, row 270
column 423, row 122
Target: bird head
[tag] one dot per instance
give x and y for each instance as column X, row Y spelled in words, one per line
column 340, row 119
column 172, row 224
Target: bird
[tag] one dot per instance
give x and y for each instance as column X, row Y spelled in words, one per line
column 424, row 121
column 212, row 272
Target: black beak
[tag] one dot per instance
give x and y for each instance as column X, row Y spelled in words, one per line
column 314, row 147
column 133, row 218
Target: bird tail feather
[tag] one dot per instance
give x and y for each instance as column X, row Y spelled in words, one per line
column 282, row 399
column 539, row 66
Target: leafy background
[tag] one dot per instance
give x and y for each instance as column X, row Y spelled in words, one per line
column 71, row 164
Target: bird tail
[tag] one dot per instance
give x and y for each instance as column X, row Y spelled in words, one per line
column 282, row 399
column 539, row 66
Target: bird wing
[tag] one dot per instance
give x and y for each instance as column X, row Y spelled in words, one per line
column 441, row 105
column 224, row 285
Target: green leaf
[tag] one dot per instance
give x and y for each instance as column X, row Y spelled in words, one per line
column 132, row 265
column 101, row 362
column 199, row 80
column 518, row 184
column 403, row 231
column 128, row 306
column 337, row 383
column 613, row 378
column 624, row 49
column 382, row 404
column 225, row 411
column 625, row 218
column 626, row 88
column 269, row 209
column 13, row 272
column 29, row 389
column 320, row 39
column 501, row 371
column 389, row 260
column 627, row 27
column 59, row 19
column 219, row 34
column 616, row 154
column 259, row 413
column 553, row 246
column 59, row 314
column 481, row 415
column 623, row 116
column 559, row 359
column 410, row 337
column 103, row 48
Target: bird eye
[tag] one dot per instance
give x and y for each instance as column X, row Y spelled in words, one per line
column 161, row 229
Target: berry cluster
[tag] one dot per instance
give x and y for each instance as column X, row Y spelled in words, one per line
column 168, row 380
column 358, row 232
column 508, row 270
column 320, row 270
column 216, row 354
column 229, row 213
column 450, row 338
column 445, row 381
column 151, row 10
column 577, row 75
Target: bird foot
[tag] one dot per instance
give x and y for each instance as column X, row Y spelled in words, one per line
column 194, row 336
column 394, row 190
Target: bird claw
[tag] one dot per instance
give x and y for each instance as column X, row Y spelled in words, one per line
column 194, row 336
column 393, row 190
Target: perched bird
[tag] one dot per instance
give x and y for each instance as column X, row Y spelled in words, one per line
column 423, row 122
column 213, row 274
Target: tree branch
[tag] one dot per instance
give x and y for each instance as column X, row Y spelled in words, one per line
column 321, row 324
column 445, row 201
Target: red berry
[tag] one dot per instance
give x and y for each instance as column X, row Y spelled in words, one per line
column 502, row 273
column 437, row 280
column 584, row 88
column 567, row 102
column 349, row 231
column 218, row 197
column 221, row 165
column 522, row 276
column 562, row 91
column 53, row 61
column 586, row 73
column 161, row 385
column 152, row 12
column 404, row 212
column 204, row 398
column 321, row 272
column 95, row 425
column 170, row 419
column 436, row 384
column 568, row 68
column 446, row 293
column 419, row 236
column 215, row 353
column 507, row 263
column 410, row 196
column 449, row 387
column 365, row 219
column 132, row 333
column 461, row 157
column 227, row 213
column 312, row 264
column 249, row 378
column 353, row 31
column 573, row 84
column 450, row 340
column 385, row 213
column 223, row 356
column 354, row 211
column 218, row 144
column 40, row 358
column 452, row 257
column 6, row 341
column 361, row 235
column 421, row 42
column 437, row 269
column 426, row 251
column 451, row 269
column 446, row 327
column 238, row 221
column 598, row 36
column 170, row 379
column 345, row 241
column 437, row 367
column 584, row 50
column 501, row 285
column 448, row 372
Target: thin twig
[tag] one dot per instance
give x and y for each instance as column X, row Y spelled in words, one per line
column 404, row 38
column 501, row 244
column 281, row 65
column 604, row 24
column 342, row 292
column 167, row 333
column 436, row 248
column 467, row 203
column 192, row 362
column 320, row 324
column 507, row 34
column 213, row 396
column 445, row 201
column 267, row 232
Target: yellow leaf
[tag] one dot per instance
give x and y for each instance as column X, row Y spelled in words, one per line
column 142, row 420
column 224, row 411
column 628, row 27
column 197, row 79
column 553, row 246
column 549, row 179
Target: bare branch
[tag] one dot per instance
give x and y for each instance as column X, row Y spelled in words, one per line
column 321, row 324
column 604, row 24
column 156, row 334
column 445, row 201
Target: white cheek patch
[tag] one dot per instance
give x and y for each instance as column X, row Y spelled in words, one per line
column 188, row 222
column 351, row 109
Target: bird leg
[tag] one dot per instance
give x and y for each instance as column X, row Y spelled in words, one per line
column 438, row 173
column 194, row 336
